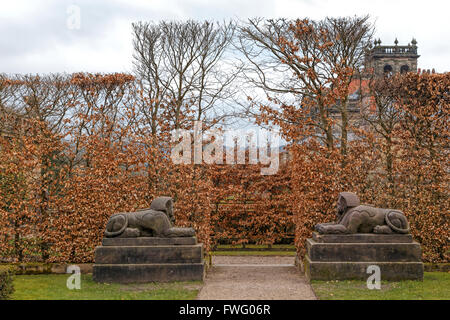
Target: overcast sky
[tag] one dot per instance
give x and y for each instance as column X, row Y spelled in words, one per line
column 41, row 36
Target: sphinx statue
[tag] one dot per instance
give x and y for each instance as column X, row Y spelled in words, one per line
column 156, row 221
column 353, row 217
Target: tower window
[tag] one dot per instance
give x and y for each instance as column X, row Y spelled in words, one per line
column 404, row 69
column 387, row 68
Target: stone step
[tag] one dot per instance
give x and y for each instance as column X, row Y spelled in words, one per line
column 141, row 273
column 362, row 238
column 362, row 252
column 392, row 271
column 149, row 254
column 148, row 241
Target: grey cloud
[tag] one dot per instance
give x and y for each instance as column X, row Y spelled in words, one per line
column 41, row 42
column 47, row 28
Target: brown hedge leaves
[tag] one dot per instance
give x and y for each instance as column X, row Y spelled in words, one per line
column 75, row 149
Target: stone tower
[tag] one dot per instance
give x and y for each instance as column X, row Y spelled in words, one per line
column 385, row 60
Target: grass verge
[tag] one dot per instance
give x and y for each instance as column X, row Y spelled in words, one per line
column 256, row 247
column 253, row 253
column 53, row 287
column 435, row 286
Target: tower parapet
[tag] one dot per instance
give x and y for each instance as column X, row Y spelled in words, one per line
column 385, row 60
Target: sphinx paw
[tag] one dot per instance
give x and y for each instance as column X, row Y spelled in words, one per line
column 130, row 233
column 382, row 230
column 320, row 228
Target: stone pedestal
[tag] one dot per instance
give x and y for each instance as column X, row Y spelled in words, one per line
column 132, row 260
column 345, row 257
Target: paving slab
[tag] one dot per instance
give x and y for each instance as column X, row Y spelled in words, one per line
column 255, row 278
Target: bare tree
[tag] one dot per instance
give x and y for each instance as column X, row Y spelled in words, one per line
column 305, row 61
column 351, row 38
column 184, row 62
column 379, row 111
column 44, row 98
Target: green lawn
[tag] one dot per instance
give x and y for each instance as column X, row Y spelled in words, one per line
column 53, row 287
column 256, row 246
column 255, row 250
column 435, row 286
column 253, row 253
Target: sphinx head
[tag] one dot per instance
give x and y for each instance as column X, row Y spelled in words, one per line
column 164, row 204
column 346, row 200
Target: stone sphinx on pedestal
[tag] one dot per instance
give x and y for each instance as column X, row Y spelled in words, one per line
column 156, row 221
column 363, row 235
column 356, row 218
column 144, row 246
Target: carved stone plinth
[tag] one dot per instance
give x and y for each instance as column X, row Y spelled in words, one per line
column 345, row 257
column 132, row 260
column 362, row 238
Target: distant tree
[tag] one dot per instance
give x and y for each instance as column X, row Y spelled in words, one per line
column 184, row 62
column 311, row 61
column 378, row 110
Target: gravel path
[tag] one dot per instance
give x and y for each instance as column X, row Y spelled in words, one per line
column 255, row 278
